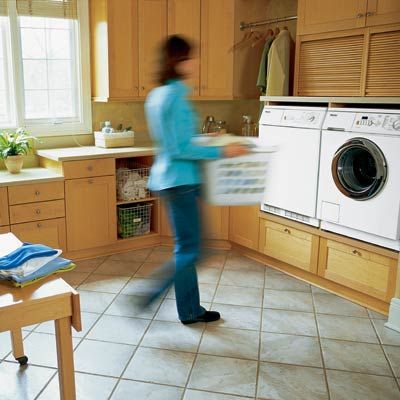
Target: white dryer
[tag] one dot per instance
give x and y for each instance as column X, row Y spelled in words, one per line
column 359, row 181
column 292, row 178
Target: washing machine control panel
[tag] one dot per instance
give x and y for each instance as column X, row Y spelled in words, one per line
column 388, row 124
column 293, row 117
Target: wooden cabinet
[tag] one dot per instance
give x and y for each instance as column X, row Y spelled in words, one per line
column 124, row 38
column 37, row 211
column 35, row 192
column 88, row 168
column 50, row 232
column 358, row 268
column 244, row 226
column 4, row 229
column 4, row 218
column 152, row 29
column 184, row 19
column 90, row 212
column 380, row 12
column 291, row 245
column 315, row 16
column 215, row 222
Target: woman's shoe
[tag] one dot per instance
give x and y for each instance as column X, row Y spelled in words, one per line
column 208, row 316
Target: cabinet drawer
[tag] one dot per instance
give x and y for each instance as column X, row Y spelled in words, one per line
column 50, row 232
column 290, row 245
column 87, row 168
column 37, row 211
column 359, row 269
column 4, row 219
column 35, row 192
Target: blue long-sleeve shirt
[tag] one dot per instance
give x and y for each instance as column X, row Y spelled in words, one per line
column 173, row 123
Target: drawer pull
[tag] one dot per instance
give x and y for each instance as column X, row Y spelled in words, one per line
column 37, row 193
column 39, row 225
column 90, row 181
column 287, row 230
column 90, row 168
column 369, row 14
column 38, row 211
column 356, row 252
column 360, row 15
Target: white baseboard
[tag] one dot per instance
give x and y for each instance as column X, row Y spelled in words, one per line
column 394, row 315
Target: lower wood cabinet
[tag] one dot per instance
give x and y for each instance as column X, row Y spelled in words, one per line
column 244, row 226
column 90, row 212
column 4, row 229
column 290, row 245
column 4, row 219
column 366, row 271
column 50, row 232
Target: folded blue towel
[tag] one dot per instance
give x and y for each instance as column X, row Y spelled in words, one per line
column 25, row 253
column 48, row 269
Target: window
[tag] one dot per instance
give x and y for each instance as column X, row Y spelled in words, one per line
column 44, row 66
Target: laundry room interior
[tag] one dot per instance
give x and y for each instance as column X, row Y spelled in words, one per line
column 199, row 199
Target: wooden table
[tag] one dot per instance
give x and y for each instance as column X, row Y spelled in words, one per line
column 50, row 299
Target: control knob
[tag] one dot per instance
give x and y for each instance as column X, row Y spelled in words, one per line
column 396, row 125
column 310, row 117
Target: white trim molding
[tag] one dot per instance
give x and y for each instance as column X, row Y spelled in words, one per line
column 394, row 315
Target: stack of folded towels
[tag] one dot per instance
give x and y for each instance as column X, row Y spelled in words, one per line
column 23, row 263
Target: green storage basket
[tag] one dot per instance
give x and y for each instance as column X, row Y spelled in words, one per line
column 134, row 220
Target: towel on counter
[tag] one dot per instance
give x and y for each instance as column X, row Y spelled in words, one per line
column 53, row 267
column 262, row 72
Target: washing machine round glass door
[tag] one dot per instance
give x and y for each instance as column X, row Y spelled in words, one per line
column 359, row 169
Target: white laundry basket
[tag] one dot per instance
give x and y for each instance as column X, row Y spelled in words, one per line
column 237, row 180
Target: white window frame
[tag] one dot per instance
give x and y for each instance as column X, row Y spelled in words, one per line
column 46, row 127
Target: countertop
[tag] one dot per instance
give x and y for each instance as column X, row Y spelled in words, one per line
column 27, row 176
column 90, row 152
column 345, row 100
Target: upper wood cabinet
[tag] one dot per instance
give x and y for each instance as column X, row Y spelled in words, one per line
column 124, row 38
column 316, row 16
column 152, row 29
column 244, row 225
column 382, row 12
column 330, row 15
column 184, row 19
column 4, row 218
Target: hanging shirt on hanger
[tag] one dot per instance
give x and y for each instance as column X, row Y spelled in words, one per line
column 278, row 70
column 262, row 72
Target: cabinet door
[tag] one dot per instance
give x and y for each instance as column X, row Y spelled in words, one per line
column 90, row 212
column 4, row 229
column 217, row 37
column 215, row 222
column 382, row 12
column 123, row 48
column 316, row 16
column 152, row 30
column 244, row 225
column 329, row 66
column 359, row 269
column 4, row 218
column 290, row 245
column 184, row 19
column 50, row 232
column 383, row 63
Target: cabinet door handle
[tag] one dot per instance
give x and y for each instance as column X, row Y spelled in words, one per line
column 90, row 181
column 369, row 14
column 287, row 230
column 90, row 168
column 39, row 225
column 37, row 193
column 356, row 252
column 38, row 211
column 360, row 15
column 143, row 88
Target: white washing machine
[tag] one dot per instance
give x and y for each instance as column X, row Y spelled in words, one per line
column 359, row 181
column 292, row 178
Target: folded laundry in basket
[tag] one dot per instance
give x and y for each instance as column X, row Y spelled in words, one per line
column 57, row 265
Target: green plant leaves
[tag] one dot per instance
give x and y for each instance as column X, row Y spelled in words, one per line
column 13, row 143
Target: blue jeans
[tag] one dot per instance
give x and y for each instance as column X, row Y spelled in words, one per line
column 184, row 215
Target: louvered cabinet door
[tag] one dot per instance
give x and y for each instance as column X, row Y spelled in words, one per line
column 330, row 66
column 383, row 64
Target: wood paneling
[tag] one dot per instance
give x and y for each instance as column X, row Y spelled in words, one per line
column 383, row 65
column 244, row 226
column 215, row 222
column 4, row 218
column 4, row 229
column 330, row 66
column 50, row 232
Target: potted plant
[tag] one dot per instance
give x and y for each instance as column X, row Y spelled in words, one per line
column 13, row 146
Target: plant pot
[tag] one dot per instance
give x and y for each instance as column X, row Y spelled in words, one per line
column 14, row 164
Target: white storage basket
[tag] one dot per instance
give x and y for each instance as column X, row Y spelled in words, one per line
column 237, row 180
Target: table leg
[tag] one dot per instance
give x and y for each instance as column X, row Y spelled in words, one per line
column 18, row 346
column 65, row 358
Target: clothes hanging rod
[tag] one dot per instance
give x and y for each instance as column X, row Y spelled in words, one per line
column 244, row 25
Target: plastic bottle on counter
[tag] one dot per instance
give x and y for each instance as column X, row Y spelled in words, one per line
column 249, row 128
column 107, row 127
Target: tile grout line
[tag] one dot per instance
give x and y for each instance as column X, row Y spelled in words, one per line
column 320, row 346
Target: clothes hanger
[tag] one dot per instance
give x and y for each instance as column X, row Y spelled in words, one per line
column 246, row 38
column 277, row 30
column 263, row 37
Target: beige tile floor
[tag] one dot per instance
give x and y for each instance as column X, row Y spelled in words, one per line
column 279, row 339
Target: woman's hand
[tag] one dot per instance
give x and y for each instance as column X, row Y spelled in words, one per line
column 234, row 150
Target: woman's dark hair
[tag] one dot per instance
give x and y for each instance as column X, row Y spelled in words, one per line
column 174, row 50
